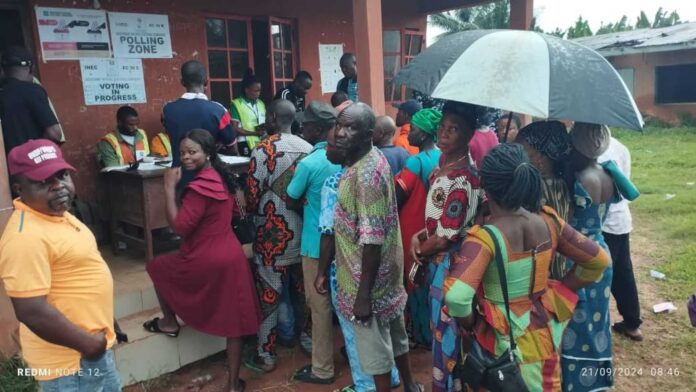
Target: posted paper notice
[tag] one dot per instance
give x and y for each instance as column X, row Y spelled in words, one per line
column 113, row 82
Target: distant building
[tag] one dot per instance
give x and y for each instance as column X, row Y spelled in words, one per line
column 657, row 65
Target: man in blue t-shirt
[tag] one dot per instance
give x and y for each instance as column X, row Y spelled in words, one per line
column 306, row 183
column 193, row 110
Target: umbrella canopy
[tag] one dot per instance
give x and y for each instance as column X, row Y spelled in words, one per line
column 524, row 72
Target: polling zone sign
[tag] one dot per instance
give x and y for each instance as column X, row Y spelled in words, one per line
column 140, row 35
column 111, row 82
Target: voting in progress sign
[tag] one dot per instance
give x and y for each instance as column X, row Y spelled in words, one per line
column 112, row 82
column 140, row 35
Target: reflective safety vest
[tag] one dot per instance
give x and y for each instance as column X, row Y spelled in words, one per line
column 123, row 149
column 165, row 142
column 250, row 116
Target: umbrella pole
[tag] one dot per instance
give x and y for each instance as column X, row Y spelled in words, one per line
column 507, row 127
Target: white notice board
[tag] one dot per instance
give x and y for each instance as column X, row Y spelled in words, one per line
column 113, row 82
column 330, row 67
column 140, row 35
column 70, row 34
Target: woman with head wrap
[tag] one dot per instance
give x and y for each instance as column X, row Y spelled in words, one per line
column 587, row 340
column 547, row 144
column 411, row 191
column 453, row 202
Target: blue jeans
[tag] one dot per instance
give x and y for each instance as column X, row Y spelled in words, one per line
column 286, row 316
column 287, row 321
column 363, row 381
column 99, row 375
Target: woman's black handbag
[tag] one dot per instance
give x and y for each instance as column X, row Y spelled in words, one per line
column 481, row 369
column 243, row 226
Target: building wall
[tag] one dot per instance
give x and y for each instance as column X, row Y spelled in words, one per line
column 644, row 81
column 317, row 22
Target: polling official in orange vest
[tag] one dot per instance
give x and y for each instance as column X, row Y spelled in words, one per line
column 127, row 143
column 161, row 146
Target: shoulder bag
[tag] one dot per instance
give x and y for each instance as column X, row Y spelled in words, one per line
column 480, row 368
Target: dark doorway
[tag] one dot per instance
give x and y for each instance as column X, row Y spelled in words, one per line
column 262, row 66
column 11, row 33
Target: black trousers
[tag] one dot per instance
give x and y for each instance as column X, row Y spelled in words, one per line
column 623, row 284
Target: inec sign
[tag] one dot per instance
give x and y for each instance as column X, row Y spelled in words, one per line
column 140, row 35
column 113, row 81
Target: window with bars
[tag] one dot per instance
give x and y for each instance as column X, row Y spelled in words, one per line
column 400, row 47
column 282, row 47
column 229, row 45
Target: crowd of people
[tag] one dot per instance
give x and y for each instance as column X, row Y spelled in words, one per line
column 432, row 230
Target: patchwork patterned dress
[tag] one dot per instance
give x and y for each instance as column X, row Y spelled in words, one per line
column 540, row 308
column 278, row 229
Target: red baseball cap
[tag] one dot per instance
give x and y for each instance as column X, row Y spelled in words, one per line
column 37, row 160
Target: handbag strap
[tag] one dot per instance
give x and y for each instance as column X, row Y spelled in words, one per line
column 501, row 258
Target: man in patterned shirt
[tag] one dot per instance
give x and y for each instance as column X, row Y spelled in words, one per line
column 369, row 254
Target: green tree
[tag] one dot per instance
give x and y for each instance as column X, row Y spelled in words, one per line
column 662, row 19
column 453, row 21
column 490, row 16
column 580, row 29
column 643, row 22
column 621, row 25
column 493, row 15
column 558, row 32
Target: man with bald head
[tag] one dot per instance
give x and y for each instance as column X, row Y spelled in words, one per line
column 277, row 256
column 383, row 138
column 369, row 254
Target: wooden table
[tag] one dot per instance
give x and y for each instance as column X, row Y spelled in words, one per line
column 137, row 198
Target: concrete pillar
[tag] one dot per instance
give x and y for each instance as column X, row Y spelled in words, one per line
column 367, row 27
column 521, row 13
column 8, row 322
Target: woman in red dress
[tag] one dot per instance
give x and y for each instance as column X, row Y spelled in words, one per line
column 208, row 284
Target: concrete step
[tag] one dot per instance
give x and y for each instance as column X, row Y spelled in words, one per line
column 148, row 355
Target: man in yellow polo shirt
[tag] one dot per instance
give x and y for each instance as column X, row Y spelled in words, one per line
column 61, row 288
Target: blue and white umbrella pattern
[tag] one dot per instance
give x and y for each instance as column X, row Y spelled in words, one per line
column 524, row 72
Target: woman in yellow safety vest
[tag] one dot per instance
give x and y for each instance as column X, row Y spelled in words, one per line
column 250, row 112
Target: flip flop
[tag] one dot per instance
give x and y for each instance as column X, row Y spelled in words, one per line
column 152, row 326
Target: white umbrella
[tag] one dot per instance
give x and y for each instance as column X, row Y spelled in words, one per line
column 524, row 72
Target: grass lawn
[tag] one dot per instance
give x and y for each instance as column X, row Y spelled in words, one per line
column 664, row 169
column 664, row 239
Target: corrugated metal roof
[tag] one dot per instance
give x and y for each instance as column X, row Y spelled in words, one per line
column 643, row 40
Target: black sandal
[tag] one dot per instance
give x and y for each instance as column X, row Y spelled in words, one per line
column 153, row 326
column 636, row 335
column 306, row 375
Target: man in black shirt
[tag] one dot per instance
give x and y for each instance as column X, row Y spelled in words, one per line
column 25, row 111
column 295, row 93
